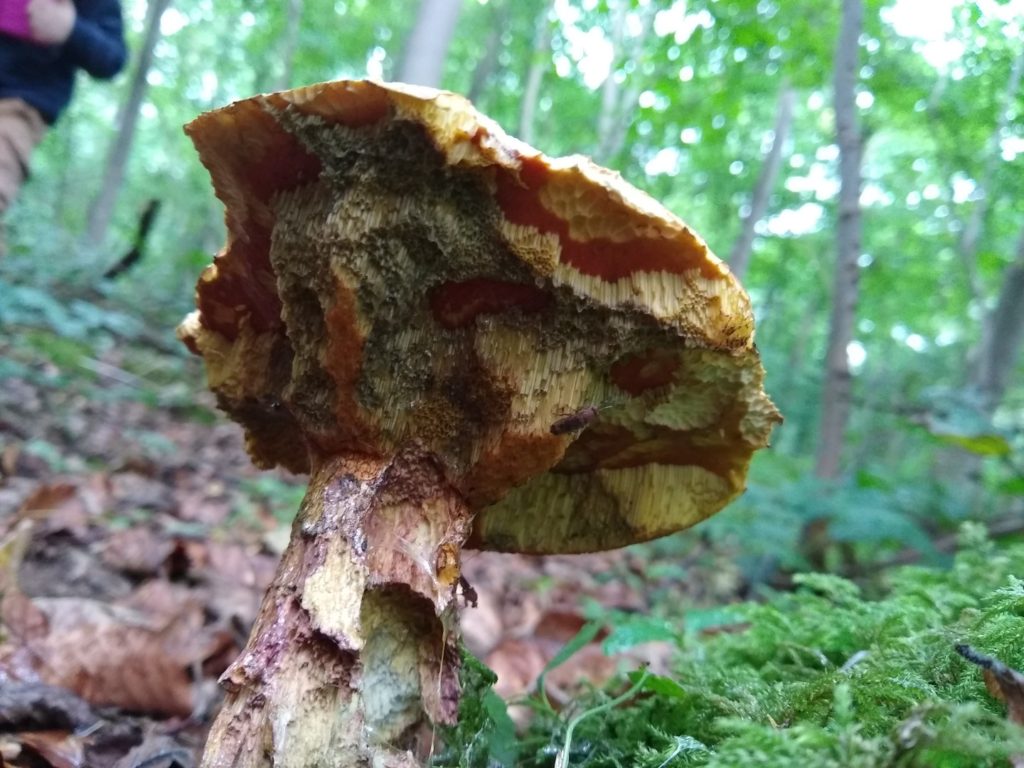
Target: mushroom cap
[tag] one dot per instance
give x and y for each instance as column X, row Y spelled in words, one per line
column 398, row 270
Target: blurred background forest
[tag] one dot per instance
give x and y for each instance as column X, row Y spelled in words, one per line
column 859, row 164
column 721, row 109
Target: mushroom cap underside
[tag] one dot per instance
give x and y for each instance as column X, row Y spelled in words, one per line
column 398, row 270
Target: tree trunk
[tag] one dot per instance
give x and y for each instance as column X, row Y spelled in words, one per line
column 739, row 258
column 427, row 46
column 488, row 64
column 991, row 361
column 618, row 103
column 976, row 221
column 351, row 647
column 540, row 60
column 290, row 43
column 835, row 400
column 65, row 140
column 1002, row 335
column 102, row 208
column 610, row 112
column 836, row 392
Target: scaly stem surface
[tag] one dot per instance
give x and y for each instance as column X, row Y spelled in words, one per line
column 347, row 656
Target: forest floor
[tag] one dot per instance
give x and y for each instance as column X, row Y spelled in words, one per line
column 136, row 540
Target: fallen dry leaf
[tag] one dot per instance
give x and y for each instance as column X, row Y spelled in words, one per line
column 113, row 657
column 200, row 505
column 62, row 564
column 517, row 663
column 39, row 707
column 157, row 752
column 1004, row 683
column 47, row 499
column 139, row 551
column 20, row 620
column 67, row 505
column 162, row 601
column 113, row 740
column 59, row 748
column 482, row 627
column 134, row 490
column 216, row 645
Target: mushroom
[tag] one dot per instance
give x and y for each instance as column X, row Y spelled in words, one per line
column 465, row 343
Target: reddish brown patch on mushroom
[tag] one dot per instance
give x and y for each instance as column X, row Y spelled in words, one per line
column 518, row 197
column 456, row 305
column 251, row 158
column 244, row 279
column 635, row 374
column 284, row 163
column 344, row 362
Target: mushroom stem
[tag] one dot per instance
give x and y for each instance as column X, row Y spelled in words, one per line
column 351, row 651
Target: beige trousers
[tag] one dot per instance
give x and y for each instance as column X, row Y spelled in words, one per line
column 21, row 129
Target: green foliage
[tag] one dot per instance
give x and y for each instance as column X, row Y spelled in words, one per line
column 73, row 318
column 698, row 84
column 280, row 497
column 821, row 676
column 871, row 513
column 485, row 735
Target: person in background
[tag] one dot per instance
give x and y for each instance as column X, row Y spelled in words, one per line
column 43, row 43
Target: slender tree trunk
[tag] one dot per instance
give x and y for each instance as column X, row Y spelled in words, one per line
column 427, row 46
column 836, row 394
column 991, row 361
column 610, row 90
column 65, row 131
column 835, row 400
column 540, row 60
column 290, row 43
column 618, row 102
column 739, row 258
column 488, row 64
column 102, row 208
column 976, row 221
column 1001, row 336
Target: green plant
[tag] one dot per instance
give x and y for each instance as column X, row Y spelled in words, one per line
column 820, row 676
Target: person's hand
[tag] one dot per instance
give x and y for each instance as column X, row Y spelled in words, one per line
column 51, row 21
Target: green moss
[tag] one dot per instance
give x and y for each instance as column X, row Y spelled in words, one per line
column 821, row 677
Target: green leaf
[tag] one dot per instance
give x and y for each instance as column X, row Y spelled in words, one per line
column 663, row 686
column 1013, row 487
column 698, row 620
column 586, row 634
column 502, row 744
column 637, row 630
column 981, row 445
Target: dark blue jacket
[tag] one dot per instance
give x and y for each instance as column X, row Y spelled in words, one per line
column 44, row 75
